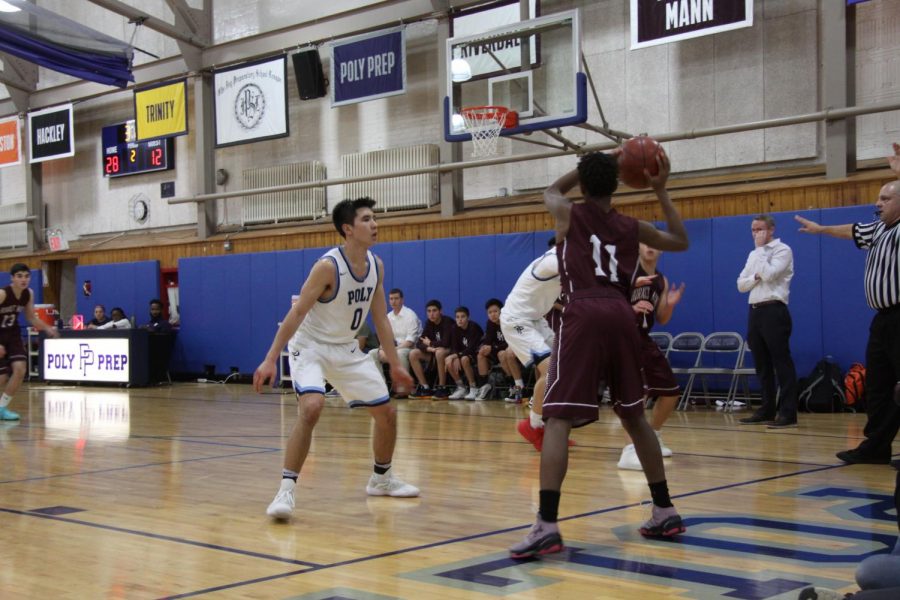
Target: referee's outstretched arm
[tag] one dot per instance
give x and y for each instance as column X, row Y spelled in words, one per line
column 844, row 231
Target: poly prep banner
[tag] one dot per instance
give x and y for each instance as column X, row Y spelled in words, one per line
column 50, row 133
column 161, row 110
column 662, row 21
column 86, row 359
column 368, row 67
column 10, row 142
column 251, row 102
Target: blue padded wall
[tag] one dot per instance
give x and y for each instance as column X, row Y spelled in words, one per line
column 231, row 304
column 478, row 272
column 442, row 263
column 845, row 314
column 407, row 272
column 694, row 268
column 130, row 286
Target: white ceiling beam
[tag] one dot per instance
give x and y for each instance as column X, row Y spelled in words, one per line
column 151, row 22
column 369, row 18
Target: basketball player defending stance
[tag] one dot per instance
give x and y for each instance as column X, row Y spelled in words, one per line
column 321, row 326
column 15, row 298
column 654, row 301
column 597, row 339
column 527, row 332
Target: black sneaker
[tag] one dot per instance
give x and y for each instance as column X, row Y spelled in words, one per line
column 757, row 419
column 422, row 392
column 855, row 457
column 782, row 423
column 816, row 593
column 441, row 393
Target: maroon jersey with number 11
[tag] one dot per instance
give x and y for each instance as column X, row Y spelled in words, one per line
column 600, row 249
column 597, row 341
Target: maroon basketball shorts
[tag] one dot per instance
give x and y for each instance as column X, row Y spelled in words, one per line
column 597, row 342
column 15, row 350
column 658, row 374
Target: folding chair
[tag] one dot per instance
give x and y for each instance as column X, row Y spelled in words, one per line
column 719, row 347
column 741, row 374
column 683, row 354
column 663, row 339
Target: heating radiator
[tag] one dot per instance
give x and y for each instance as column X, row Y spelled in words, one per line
column 13, row 235
column 292, row 205
column 396, row 193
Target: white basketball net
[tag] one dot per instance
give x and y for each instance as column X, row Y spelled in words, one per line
column 484, row 124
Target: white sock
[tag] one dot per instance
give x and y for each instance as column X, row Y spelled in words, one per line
column 537, row 422
column 5, row 399
column 520, row 383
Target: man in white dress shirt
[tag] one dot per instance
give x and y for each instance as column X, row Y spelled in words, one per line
column 767, row 276
column 406, row 327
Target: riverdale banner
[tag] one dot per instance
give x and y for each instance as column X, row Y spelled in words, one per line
column 662, row 21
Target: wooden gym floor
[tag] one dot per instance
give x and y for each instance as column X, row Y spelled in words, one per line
column 152, row 493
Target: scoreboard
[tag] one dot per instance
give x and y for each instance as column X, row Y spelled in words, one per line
column 124, row 155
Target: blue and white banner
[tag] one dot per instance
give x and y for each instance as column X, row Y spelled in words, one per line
column 368, row 67
column 86, row 359
column 251, row 102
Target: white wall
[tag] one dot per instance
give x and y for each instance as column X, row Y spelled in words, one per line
column 769, row 70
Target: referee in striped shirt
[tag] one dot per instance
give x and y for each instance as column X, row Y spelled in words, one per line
column 882, row 282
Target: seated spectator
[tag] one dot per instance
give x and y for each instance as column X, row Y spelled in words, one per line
column 491, row 345
column 433, row 343
column 100, row 317
column 463, row 348
column 406, row 327
column 367, row 338
column 117, row 320
column 157, row 323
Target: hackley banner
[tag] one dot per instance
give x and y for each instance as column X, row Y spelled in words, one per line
column 662, row 21
column 50, row 133
column 367, row 67
column 251, row 102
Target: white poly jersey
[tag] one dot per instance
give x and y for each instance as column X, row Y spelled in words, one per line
column 336, row 320
column 536, row 289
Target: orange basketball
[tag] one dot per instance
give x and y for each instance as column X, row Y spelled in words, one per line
column 637, row 154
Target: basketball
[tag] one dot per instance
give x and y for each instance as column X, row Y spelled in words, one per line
column 637, row 154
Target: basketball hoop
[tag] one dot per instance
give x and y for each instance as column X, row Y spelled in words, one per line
column 484, row 124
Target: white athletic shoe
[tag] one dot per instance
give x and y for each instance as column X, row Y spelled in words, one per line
column 459, row 393
column 629, row 459
column 666, row 451
column 283, row 504
column 483, row 392
column 473, row 393
column 388, row 485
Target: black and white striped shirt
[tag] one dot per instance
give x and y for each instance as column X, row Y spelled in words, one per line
column 882, row 278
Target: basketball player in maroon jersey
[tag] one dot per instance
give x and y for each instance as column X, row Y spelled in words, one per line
column 14, row 299
column 597, row 340
column 653, row 301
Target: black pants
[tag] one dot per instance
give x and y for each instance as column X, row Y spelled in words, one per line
column 882, row 373
column 769, row 336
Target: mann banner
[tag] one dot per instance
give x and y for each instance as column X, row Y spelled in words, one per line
column 368, row 67
column 251, row 102
column 50, row 133
column 662, row 21
column 10, row 142
column 161, row 110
